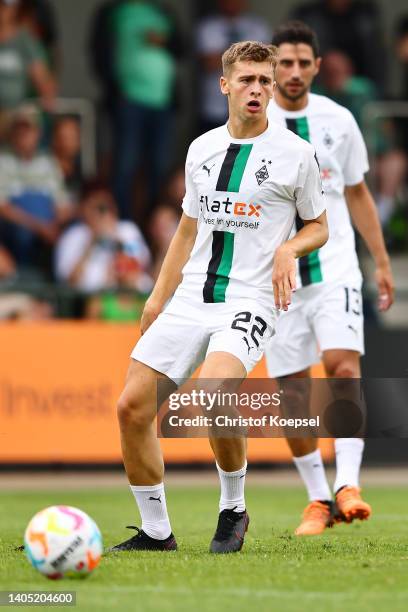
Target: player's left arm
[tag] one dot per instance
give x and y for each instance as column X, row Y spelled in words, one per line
column 310, row 206
column 364, row 215
column 312, row 236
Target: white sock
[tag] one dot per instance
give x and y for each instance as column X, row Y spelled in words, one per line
column 312, row 472
column 151, row 502
column 349, row 453
column 232, row 489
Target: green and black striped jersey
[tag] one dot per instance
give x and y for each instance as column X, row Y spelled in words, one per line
column 245, row 195
column 342, row 155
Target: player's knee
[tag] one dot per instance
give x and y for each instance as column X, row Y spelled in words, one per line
column 342, row 375
column 344, row 369
column 292, row 404
column 295, row 396
column 132, row 411
column 302, row 446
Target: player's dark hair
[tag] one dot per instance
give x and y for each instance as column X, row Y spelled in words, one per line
column 295, row 32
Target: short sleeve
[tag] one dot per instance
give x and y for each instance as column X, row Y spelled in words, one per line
column 32, row 49
column 69, row 249
column 56, row 184
column 309, row 193
column 190, row 204
column 134, row 243
column 356, row 158
column 4, row 179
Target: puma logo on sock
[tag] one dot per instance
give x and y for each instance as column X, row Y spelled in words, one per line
column 155, row 499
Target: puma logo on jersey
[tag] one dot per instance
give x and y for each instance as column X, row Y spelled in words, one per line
column 208, row 169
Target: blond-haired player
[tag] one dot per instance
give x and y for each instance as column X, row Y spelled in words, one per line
column 229, row 262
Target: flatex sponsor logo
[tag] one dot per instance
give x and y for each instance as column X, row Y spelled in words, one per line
column 228, row 207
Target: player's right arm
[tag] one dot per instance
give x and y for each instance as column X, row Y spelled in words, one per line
column 365, row 218
column 170, row 274
column 179, row 250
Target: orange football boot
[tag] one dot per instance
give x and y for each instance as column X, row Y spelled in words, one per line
column 350, row 506
column 316, row 517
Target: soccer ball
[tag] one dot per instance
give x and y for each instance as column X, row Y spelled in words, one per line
column 62, row 541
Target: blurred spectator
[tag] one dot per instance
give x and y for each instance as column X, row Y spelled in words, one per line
column 390, row 171
column 33, row 202
column 215, row 34
column 101, row 49
column 66, row 147
column 338, row 81
column 38, row 17
column 165, row 218
column 395, row 210
column 145, row 72
column 174, row 190
column 118, row 307
column 101, row 53
column 401, row 47
column 22, row 307
column 7, row 264
column 351, row 26
column 22, row 65
column 102, row 252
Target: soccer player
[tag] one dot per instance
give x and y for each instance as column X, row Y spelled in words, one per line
column 326, row 310
column 228, row 263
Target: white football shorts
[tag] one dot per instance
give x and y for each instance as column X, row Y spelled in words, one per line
column 187, row 331
column 321, row 317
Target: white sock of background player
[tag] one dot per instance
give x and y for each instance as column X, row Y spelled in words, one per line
column 312, row 472
column 349, row 453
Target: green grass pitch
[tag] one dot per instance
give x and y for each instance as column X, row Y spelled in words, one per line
column 361, row 567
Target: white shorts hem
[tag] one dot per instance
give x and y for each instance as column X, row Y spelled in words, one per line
column 292, row 370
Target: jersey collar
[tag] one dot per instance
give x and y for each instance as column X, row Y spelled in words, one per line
column 259, row 138
column 294, row 114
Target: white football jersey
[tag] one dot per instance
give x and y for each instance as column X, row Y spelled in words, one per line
column 245, row 195
column 342, row 156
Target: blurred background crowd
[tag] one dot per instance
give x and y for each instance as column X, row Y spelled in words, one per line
column 91, row 186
